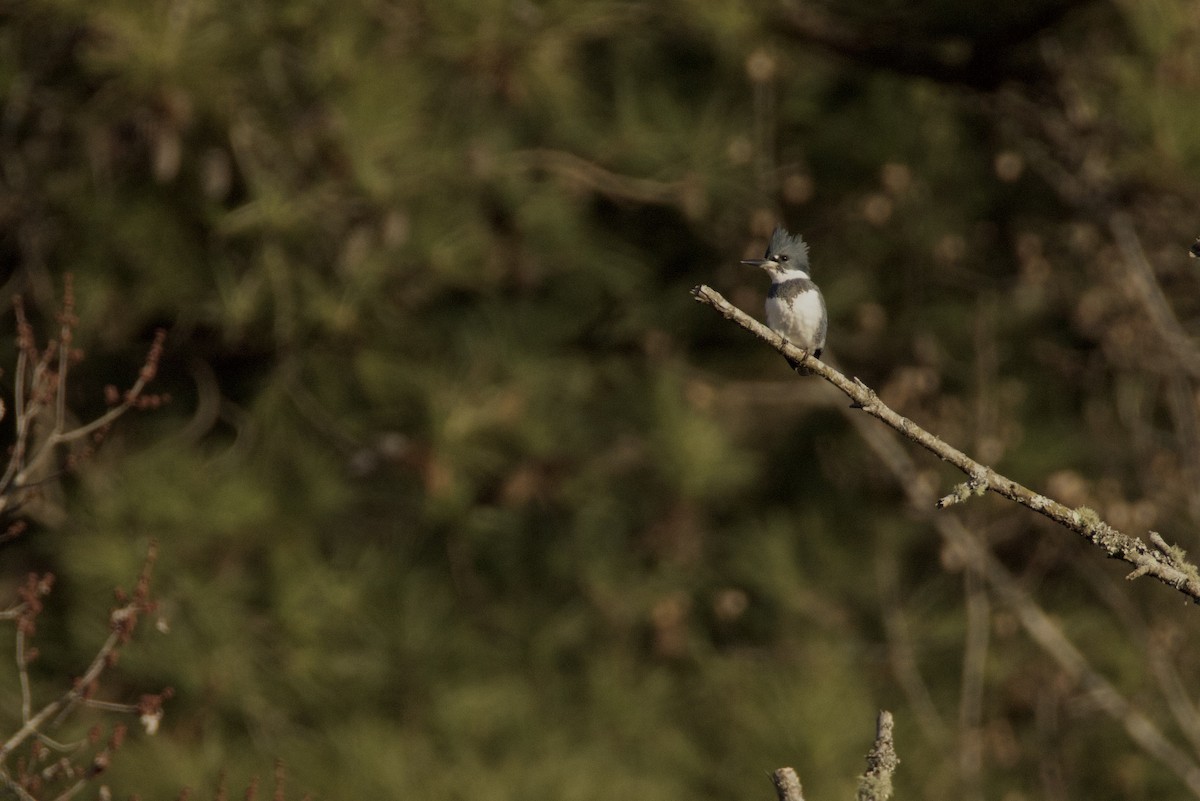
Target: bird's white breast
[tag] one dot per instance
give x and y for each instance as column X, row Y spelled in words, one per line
column 799, row 319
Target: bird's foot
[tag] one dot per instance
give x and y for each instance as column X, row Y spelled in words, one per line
column 798, row 364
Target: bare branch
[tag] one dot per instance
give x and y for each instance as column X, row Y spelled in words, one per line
column 1174, row 688
column 975, row 657
column 876, row 783
column 1168, row 568
column 901, row 651
column 787, row 785
column 586, row 173
column 1150, row 294
column 122, row 622
column 40, row 418
column 66, row 336
column 59, row 437
column 1037, row 624
column 17, row 790
column 23, row 675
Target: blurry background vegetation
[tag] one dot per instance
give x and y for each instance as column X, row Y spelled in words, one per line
column 461, row 495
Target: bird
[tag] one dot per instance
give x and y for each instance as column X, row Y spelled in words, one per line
column 795, row 306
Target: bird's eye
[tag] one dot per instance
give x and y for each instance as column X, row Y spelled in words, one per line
column 783, row 257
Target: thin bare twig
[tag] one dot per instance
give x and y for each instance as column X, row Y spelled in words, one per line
column 1173, row 687
column 16, row 789
column 1154, row 302
column 66, row 335
column 27, row 403
column 1168, row 568
column 59, row 437
column 901, row 652
column 123, row 620
column 23, row 675
column 970, row 710
column 592, row 175
column 74, row 789
column 40, row 406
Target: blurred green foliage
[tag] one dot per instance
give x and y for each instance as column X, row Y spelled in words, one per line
column 461, row 495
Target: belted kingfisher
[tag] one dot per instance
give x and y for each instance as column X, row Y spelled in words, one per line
column 795, row 307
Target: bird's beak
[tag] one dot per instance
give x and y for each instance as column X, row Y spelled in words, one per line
column 756, row 262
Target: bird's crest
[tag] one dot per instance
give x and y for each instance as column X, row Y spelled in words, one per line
column 784, row 243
